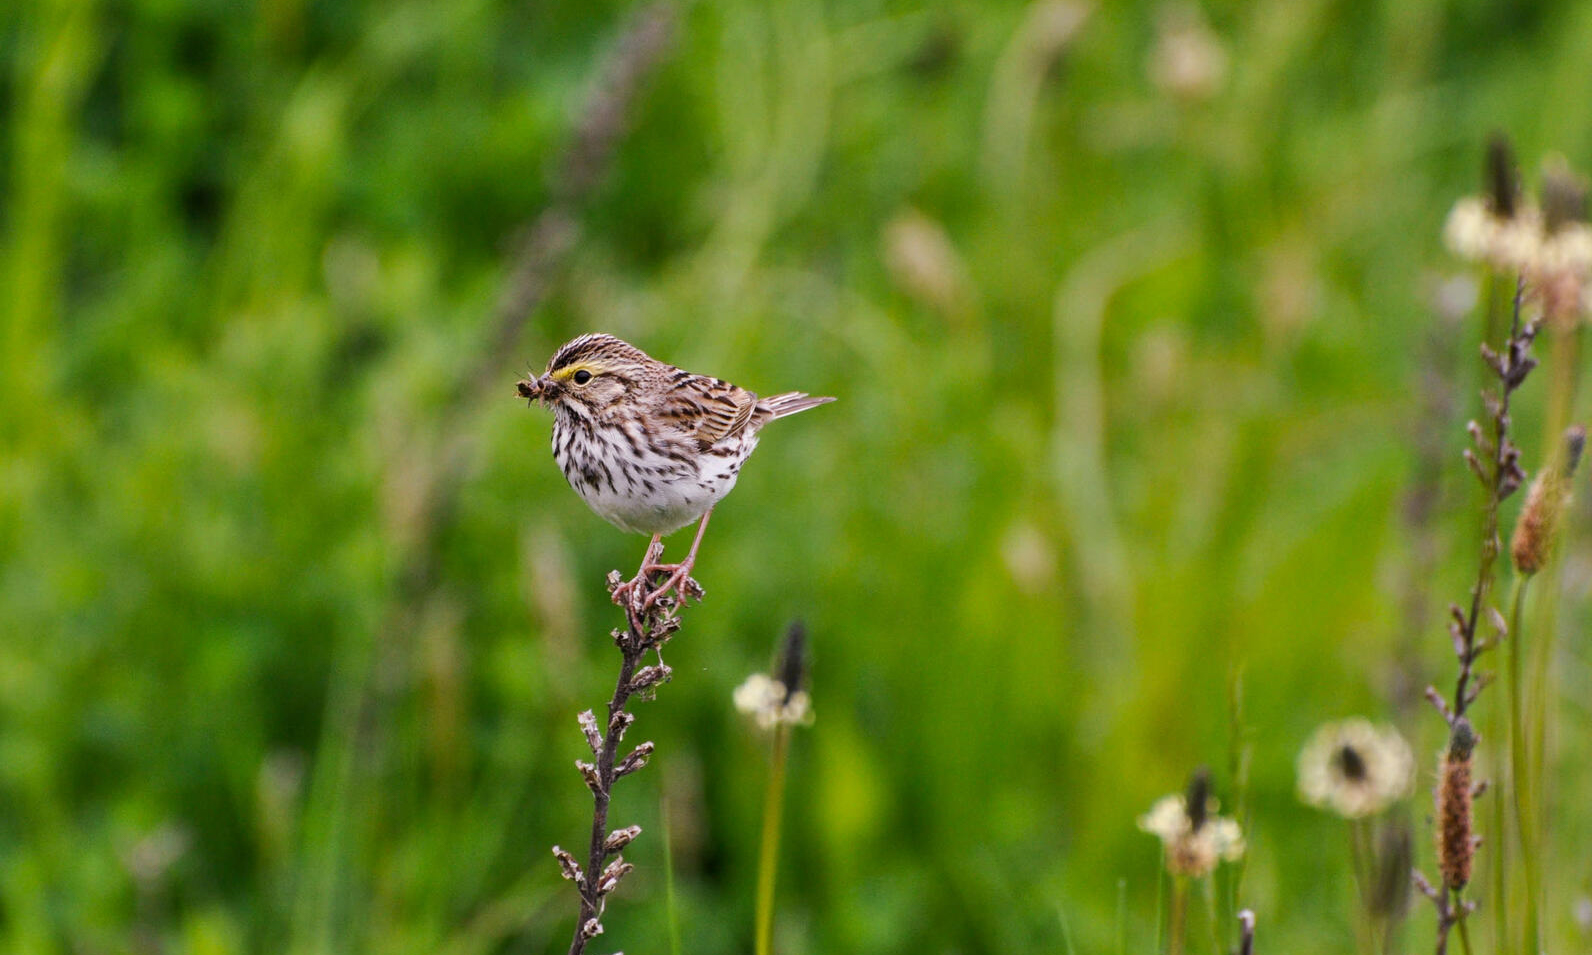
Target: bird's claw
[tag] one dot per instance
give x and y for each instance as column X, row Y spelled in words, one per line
column 619, row 591
column 644, row 592
column 641, row 595
column 681, row 582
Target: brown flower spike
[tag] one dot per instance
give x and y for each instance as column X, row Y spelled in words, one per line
column 1532, row 542
column 1455, row 844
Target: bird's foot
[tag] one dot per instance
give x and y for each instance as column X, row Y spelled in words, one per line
column 652, row 584
column 678, row 580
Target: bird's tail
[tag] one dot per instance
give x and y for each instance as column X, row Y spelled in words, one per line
column 789, row 403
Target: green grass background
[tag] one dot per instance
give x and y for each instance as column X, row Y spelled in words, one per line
column 1153, row 444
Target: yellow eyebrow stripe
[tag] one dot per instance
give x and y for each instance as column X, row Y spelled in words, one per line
column 568, row 371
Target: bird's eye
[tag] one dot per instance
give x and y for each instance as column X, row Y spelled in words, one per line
column 582, row 376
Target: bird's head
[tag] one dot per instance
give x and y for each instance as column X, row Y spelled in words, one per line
column 588, row 375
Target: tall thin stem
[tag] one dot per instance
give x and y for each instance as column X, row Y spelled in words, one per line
column 1498, row 469
column 1213, row 922
column 1498, row 292
column 1501, row 477
column 1524, row 788
column 1531, row 672
column 1179, row 915
column 1464, row 937
column 1360, row 860
column 590, row 899
column 1499, row 727
column 768, row 855
column 670, row 899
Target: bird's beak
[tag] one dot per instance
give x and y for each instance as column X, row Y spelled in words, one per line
column 530, row 389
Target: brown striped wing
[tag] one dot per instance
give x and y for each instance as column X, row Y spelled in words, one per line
column 707, row 410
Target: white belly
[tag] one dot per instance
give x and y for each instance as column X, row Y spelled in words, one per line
column 654, row 494
column 669, row 508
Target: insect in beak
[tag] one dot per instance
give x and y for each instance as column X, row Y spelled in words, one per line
column 530, row 389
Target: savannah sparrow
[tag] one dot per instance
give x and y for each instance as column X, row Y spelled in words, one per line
column 648, row 446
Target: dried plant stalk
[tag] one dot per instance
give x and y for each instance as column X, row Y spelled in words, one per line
column 1495, row 460
column 645, row 631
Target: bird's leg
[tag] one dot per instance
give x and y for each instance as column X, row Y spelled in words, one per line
column 638, row 583
column 681, row 572
column 650, row 565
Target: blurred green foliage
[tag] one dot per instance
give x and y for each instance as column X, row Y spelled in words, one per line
column 1129, row 324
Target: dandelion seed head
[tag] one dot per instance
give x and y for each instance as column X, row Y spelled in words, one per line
column 1548, row 246
column 768, row 703
column 1355, row 769
column 1193, row 850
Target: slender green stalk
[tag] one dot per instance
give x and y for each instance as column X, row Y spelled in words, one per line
column 1464, row 936
column 671, row 903
column 1217, row 948
column 1565, row 340
column 1122, row 917
column 1500, row 289
column 768, row 858
column 1066, row 931
column 1562, row 382
column 1360, row 856
column 1524, row 786
column 1391, row 943
column 1174, row 944
column 1160, row 906
column 1501, row 798
column 1532, row 801
column 1238, row 771
column 1537, row 692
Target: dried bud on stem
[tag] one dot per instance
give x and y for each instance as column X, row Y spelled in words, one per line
column 615, row 871
column 638, row 758
column 620, row 838
column 588, row 728
column 650, row 676
column 567, row 864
